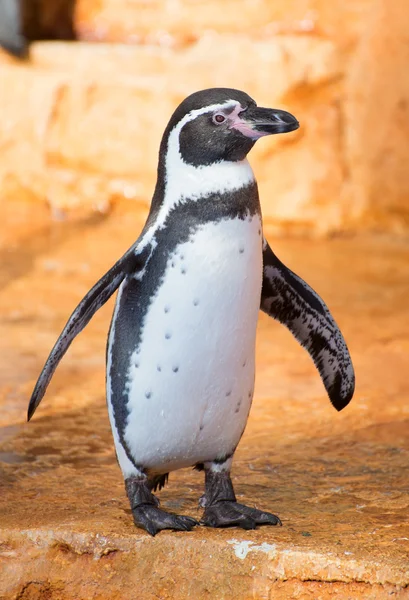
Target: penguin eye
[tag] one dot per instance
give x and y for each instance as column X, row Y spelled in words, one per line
column 218, row 118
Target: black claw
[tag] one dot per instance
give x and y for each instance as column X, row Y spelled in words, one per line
column 227, row 513
column 188, row 522
column 150, row 528
column 261, row 517
column 153, row 519
column 246, row 522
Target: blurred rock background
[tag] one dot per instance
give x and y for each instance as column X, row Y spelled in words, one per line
column 81, row 121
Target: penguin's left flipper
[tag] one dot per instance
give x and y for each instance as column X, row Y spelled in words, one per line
column 287, row 298
column 130, row 262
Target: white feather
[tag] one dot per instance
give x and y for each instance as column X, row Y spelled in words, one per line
column 191, row 384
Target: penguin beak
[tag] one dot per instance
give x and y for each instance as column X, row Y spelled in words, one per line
column 256, row 122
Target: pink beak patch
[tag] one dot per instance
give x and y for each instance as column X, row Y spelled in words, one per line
column 242, row 126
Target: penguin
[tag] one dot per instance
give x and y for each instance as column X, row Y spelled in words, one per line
column 180, row 356
column 11, row 34
column 23, row 21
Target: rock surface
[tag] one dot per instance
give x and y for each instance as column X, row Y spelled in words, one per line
column 338, row 481
column 81, row 123
column 181, row 22
column 377, row 119
column 84, row 122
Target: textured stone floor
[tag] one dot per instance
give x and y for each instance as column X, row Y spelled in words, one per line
column 339, row 482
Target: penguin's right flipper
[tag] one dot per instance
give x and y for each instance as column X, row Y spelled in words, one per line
column 289, row 299
column 130, row 262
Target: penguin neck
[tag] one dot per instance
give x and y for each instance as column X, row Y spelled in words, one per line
column 179, row 181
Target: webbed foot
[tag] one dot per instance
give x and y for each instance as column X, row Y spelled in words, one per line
column 153, row 519
column 227, row 513
column 145, row 511
column 219, row 501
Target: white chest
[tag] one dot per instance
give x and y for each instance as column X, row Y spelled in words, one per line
column 190, row 383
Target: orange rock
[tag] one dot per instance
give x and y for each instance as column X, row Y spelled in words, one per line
column 82, row 123
column 339, row 481
column 91, row 117
column 377, row 119
column 179, row 22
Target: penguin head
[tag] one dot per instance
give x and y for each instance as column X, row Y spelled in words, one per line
column 222, row 124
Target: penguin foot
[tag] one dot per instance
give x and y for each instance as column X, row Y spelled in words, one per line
column 153, row 519
column 226, row 513
column 145, row 508
column 219, row 501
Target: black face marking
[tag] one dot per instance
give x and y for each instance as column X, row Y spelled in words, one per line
column 287, row 298
column 137, row 294
column 203, row 143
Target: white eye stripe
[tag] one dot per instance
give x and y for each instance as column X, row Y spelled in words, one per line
column 211, row 108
